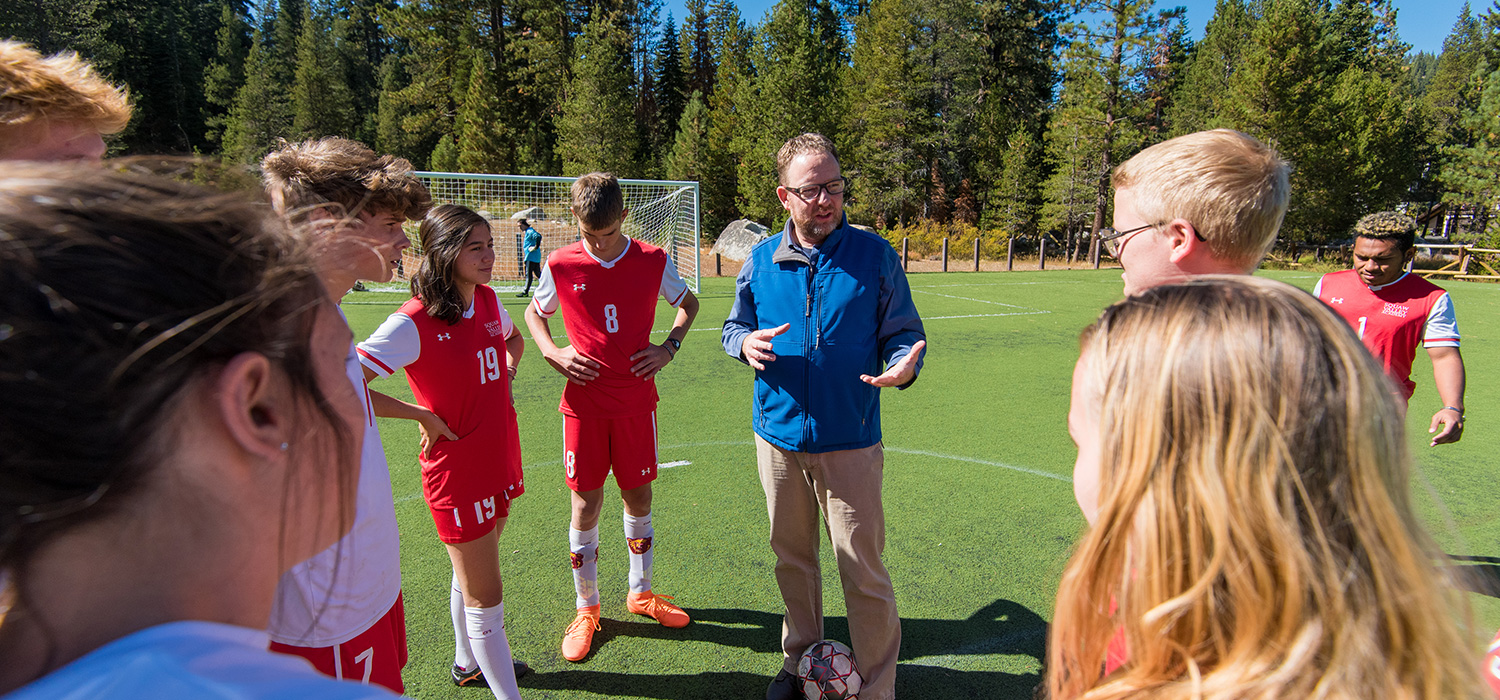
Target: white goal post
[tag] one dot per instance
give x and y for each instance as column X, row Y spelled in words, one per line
column 663, row 213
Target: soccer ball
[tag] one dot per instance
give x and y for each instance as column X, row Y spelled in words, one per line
column 826, row 671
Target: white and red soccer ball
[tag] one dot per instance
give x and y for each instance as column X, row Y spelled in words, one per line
column 826, row 671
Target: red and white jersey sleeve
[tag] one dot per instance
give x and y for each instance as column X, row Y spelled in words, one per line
column 673, row 289
column 1442, row 325
column 544, row 301
column 395, row 344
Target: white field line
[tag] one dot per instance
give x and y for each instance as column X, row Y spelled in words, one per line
column 744, row 443
column 981, row 301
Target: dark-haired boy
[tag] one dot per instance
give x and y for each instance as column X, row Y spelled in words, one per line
column 1395, row 311
column 606, row 286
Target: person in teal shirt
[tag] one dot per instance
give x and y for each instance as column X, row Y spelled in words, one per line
column 532, row 248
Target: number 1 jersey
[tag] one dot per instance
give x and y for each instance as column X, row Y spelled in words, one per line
column 608, row 310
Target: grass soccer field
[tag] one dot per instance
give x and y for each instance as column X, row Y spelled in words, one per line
column 978, row 495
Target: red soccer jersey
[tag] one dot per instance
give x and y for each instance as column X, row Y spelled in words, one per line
column 1393, row 321
column 460, row 375
column 608, row 311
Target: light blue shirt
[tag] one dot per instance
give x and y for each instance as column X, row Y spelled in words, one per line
column 191, row 660
column 533, row 245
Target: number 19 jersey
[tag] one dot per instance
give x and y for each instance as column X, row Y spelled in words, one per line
column 459, row 373
column 608, row 310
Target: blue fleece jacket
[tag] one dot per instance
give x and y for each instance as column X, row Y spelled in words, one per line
column 851, row 313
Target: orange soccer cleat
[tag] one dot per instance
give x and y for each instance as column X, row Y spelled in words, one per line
column 580, row 634
column 657, row 607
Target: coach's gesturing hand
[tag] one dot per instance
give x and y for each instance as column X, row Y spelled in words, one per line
column 577, row 368
column 757, row 346
column 900, row 373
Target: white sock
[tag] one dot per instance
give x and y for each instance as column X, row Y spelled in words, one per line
column 638, row 534
column 486, row 628
column 583, row 548
column 463, row 656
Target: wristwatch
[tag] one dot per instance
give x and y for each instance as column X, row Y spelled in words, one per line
column 674, row 344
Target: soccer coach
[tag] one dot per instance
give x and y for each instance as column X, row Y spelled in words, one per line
column 817, row 311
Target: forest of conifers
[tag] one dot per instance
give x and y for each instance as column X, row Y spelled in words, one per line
column 1006, row 115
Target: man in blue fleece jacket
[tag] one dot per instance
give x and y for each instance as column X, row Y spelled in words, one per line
column 819, row 312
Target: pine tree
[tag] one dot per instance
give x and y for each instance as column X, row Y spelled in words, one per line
column 322, row 104
column 695, row 49
column 1018, row 38
column 361, row 44
column 390, row 135
column 796, row 57
column 886, row 125
column 595, row 127
column 482, row 146
column 720, row 177
column 1452, row 91
column 689, row 157
column 261, row 112
column 1469, row 169
column 1098, row 118
column 444, row 156
column 1202, row 98
column 226, row 72
column 670, row 92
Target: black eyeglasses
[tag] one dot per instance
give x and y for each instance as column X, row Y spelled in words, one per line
column 1114, row 239
column 808, row 193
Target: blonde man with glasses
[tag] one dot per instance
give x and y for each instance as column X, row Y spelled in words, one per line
column 1205, row 203
column 824, row 315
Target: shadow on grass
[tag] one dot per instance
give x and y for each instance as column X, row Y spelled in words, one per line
column 1002, row 627
column 1482, row 577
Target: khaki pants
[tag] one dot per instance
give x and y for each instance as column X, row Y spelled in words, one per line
column 845, row 486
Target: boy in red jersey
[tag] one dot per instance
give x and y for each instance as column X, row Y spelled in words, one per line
column 606, row 285
column 342, row 610
column 1395, row 311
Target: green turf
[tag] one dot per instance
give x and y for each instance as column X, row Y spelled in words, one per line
column 979, row 504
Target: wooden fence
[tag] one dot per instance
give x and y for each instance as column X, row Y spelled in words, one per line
column 1468, row 257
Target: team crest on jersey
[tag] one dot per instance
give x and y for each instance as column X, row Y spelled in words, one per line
column 493, row 327
column 580, row 287
column 639, row 545
column 1396, row 310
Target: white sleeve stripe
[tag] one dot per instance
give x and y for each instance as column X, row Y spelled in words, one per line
column 395, row 344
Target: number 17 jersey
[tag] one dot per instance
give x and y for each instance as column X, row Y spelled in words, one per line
column 609, row 307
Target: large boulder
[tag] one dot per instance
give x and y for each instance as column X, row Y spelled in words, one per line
column 530, row 214
column 738, row 238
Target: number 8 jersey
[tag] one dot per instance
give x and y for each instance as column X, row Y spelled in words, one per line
column 459, row 373
column 608, row 310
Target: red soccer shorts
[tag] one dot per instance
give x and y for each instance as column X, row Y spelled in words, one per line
column 592, row 445
column 471, row 522
column 376, row 656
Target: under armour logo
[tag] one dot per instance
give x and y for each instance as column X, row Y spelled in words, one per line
column 645, row 472
column 1336, row 300
column 579, row 287
column 445, row 336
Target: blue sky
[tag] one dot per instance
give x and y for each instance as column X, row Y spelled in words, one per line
column 1422, row 23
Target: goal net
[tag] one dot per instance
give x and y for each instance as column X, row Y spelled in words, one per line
column 663, row 213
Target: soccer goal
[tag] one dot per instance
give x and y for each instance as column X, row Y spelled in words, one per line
column 663, row 213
